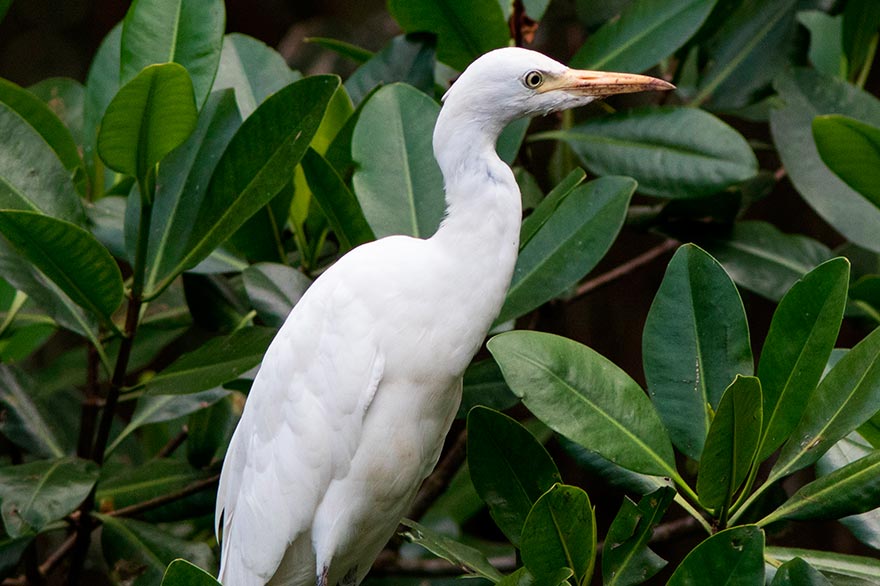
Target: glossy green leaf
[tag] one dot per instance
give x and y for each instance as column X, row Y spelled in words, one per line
column 626, row 558
column 585, row 397
column 560, row 532
column 255, row 166
column 472, row 560
column 102, row 84
column 141, row 550
column 11, row 549
column 583, row 226
column 761, row 258
column 35, row 494
column 545, row 210
column 210, row 365
column 27, row 421
column 806, row 94
column 826, row 47
column 407, row 58
column 671, row 151
column 66, row 98
column 851, row 149
column 42, row 119
column 254, row 70
column 797, row 572
column 866, row 292
column 465, row 29
column 183, row 573
column 273, row 290
column 696, row 340
column 68, row 255
column 802, row 334
column 31, row 175
column 149, row 117
column 509, row 468
column 182, row 185
column 338, row 203
column 484, row 385
column 396, row 179
column 614, row 475
column 861, row 19
column 831, row 564
column 731, row 443
column 733, row 557
column 210, row 430
column 645, row 32
column 186, row 32
column 522, row 577
column 847, row 397
column 348, row 50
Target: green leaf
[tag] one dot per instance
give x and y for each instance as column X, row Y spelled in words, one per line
column 66, row 98
column 254, row 70
column 182, row 185
column 149, row 117
column 31, row 175
column 761, row 258
column 68, row 255
column 465, row 29
column 42, row 119
column 407, row 58
column 348, row 50
column 183, row 573
column 861, row 19
column 847, row 397
column 626, row 558
column 731, row 443
column 522, row 577
column 139, row 551
column 826, row 50
column 582, row 226
column 851, row 149
column 35, row 494
column 336, row 200
column 614, row 475
column 830, row 563
column 273, row 290
column 733, row 557
column 217, row 361
column 696, row 340
column 585, row 397
column 102, row 84
column 798, row 345
column 186, row 32
column 797, row 572
column 396, row 179
column 509, row 468
column 544, row 210
column 671, row 151
column 560, row 532
column 27, row 421
column 484, row 385
column 12, row 549
column 255, row 166
column 645, row 32
column 805, row 94
column 850, row 490
column 210, row 430
column 468, row 558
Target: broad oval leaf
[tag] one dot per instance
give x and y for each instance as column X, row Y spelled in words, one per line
column 102, row 84
column 27, row 421
column 407, row 58
column 583, row 226
column 188, row 32
column 847, row 397
column 183, row 573
column 255, row 166
column 696, row 340
column 509, row 468
column 560, row 532
column 611, row 473
column 545, row 209
column 585, row 397
column 273, row 290
column 644, row 33
column 851, row 149
column 626, row 558
column 464, row 556
column 66, row 98
column 70, row 256
column 35, row 494
column 396, row 179
column 671, row 151
column 806, row 94
column 797, row 347
column 465, row 29
column 837, row 565
column 484, row 385
column 797, row 572
column 731, row 443
column 149, row 117
column 734, row 557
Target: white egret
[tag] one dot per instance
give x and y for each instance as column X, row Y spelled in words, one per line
column 348, row 412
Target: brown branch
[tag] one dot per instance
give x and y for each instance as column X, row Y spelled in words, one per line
column 173, row 444
column 439, row 480
column 155, row 503
column 625, row 268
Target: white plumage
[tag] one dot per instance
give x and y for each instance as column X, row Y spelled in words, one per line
column 348, row 412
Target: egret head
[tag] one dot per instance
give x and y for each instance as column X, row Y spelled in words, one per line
column 512, row 83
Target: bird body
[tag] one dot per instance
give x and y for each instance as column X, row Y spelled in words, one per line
column 355, row 394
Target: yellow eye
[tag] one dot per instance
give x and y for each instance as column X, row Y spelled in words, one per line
column 533, row 79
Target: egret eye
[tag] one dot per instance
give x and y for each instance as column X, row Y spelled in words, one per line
column 533, row 79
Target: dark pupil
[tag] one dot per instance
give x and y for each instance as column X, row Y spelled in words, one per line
column 534, row 79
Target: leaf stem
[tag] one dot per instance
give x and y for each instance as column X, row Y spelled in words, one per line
column 750, row 500
column 684, row 504
column 869, row 61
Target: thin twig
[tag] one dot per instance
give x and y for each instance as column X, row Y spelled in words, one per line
column 155, row 503
column 173, row 444
column 439, row 480
column 625, row 268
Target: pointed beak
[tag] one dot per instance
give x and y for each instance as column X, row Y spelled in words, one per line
column 601, row 83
